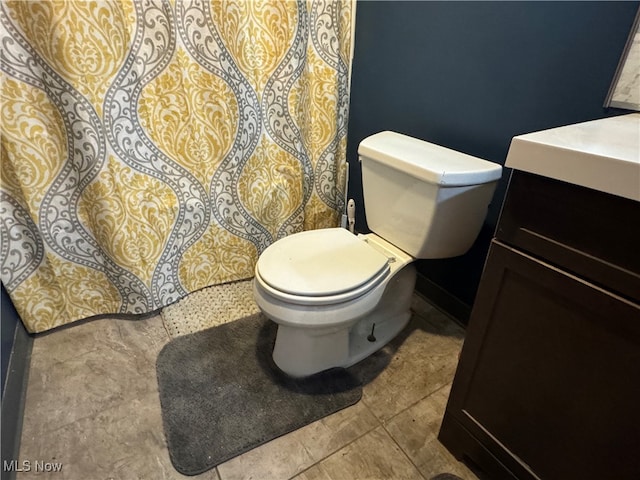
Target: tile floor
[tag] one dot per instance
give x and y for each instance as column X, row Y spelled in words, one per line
column 92, row 406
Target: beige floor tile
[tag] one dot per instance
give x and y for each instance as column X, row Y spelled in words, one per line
column 65, row 343
column 144, row 337
column 278, row 459
column 375, row 456
column 416, row 431
column 421, row 360
column 123, row 442
column 118, row 366
column 288, row 455
column 317, row 472
column 328, row 435
column 137, row 337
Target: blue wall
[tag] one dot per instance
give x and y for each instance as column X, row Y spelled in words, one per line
column 470, row 76
column 8, row 321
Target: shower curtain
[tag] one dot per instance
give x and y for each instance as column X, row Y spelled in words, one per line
column 153, row 148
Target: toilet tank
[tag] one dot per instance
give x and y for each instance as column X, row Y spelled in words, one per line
column 425, row 199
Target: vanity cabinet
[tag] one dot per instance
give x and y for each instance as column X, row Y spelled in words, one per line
column 548, row 382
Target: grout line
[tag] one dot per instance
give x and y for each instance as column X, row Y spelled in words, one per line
column 418, row 401
column 164, row 326
column 403, row 452
column 330, row 454
column 218, row 476
column 338, row 450
column 384, row 425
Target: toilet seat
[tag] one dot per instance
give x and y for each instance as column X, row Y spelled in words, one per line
column 322, row 300
column 320, row 267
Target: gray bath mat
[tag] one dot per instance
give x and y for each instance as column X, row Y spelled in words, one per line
column 221, row 395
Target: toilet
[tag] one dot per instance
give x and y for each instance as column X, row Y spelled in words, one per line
column 338, row 297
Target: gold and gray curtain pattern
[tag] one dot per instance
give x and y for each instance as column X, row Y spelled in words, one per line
column 153, row 148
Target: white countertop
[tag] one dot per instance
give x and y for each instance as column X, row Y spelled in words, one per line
column 602, row 154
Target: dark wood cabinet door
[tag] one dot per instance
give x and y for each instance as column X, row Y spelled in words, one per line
column 548, row 382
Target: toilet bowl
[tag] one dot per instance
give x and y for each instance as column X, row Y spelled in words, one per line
column 338, row 297
column 358, row 288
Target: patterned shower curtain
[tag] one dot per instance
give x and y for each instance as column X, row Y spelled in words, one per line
column 153, row 148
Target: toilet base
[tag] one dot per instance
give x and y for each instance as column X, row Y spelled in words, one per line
column 361, row 346
column 301, row 352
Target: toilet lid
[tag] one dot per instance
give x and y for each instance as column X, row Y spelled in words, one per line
column 318, row 263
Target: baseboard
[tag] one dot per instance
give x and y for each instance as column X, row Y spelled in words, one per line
column 13, row 399
column 443, row 300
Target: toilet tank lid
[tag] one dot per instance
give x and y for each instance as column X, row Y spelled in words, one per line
column 428, row 161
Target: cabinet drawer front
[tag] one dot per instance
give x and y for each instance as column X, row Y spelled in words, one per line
column 592, row 234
